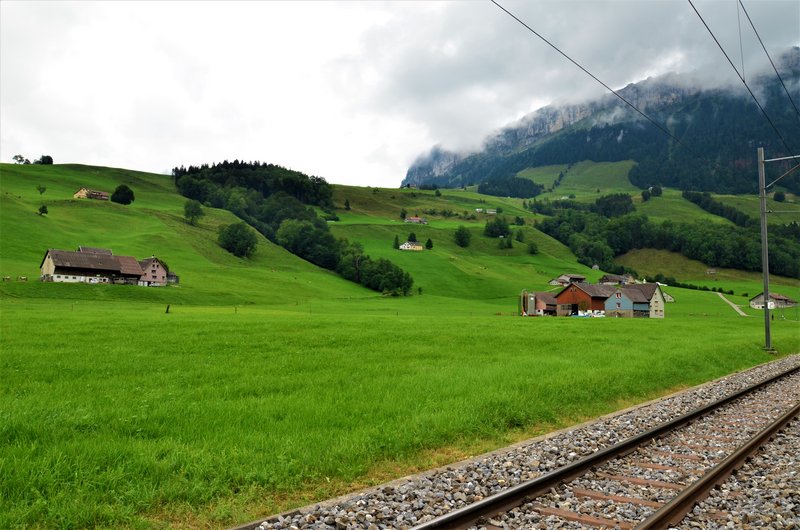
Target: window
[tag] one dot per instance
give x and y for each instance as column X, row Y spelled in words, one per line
column 619, row 305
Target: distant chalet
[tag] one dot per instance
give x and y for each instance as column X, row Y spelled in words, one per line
column 86, row 193
column 779, row 301
column 416, row 220
column 566, row 279
column 100, row 265
column 411, row 245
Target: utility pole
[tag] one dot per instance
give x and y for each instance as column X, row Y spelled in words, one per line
column 762, row 195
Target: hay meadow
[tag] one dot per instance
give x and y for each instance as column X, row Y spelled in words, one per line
column 271, row 384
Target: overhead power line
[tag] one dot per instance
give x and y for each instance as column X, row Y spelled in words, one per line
column 741, row 78
column 770, row 59
column 587, row 72
column 739, row 26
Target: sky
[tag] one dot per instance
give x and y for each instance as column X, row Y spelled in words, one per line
column 349, row 91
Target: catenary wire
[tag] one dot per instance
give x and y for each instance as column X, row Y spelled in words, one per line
column 770, row 59
column 788, row 149
column 587, row 72
column 739, row 26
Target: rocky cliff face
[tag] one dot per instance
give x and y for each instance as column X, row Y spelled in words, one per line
column 435, row 163
column 717, row 128
column 607, row 110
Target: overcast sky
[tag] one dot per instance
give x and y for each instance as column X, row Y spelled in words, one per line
column 350, row 91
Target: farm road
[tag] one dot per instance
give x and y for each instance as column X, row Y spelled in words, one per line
column 734, row 306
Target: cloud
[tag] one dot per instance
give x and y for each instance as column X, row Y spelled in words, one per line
column 352, row 92
column 466, row 69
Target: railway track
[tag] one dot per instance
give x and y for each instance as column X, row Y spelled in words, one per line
column 650, row 480
column 577, row 471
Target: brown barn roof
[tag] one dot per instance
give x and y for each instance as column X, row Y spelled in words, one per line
column 546, row 297
column 129, row 266
column 647, row 289
column 636, row 295
column 597, row 291
column 83, row 260
column 95, row 250
column 775, row 296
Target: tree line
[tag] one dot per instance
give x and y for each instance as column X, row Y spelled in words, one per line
column 275, row 201
column 510, row 187
column 711, row 205
column 596, row 239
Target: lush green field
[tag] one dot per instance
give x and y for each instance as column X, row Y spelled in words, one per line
column 670, row 206
column 650, row 262
column 117, row 414
column 784, row 212
column 271, row 383
column 584, row 179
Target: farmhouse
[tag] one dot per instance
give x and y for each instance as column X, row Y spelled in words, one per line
column 779, row 301
column 411, row 245
column 654, row 296
column 616, row 279
column 97, row 265
column 416, row 220
column 154, row 272
column 566, row 279
column 85, row 193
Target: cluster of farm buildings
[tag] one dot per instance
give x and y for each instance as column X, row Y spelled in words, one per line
column 100, row 265
column 614, row 296
column 86, row 193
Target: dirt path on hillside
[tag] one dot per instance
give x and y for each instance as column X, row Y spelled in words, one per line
column 734, row 306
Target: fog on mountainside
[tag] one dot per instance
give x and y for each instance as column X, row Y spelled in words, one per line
column 719, row 130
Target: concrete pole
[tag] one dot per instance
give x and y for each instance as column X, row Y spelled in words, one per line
column 762, row 195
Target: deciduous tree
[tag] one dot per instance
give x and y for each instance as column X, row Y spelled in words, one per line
column 238, row 239
column 192, row 211
column 123, row 195
column 462, row 236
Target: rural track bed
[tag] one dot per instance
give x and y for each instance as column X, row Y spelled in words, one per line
column 770, row 484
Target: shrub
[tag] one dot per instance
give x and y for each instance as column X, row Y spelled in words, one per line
column 238, row 239
column 123, row 195
column 192, row 211
column 462, row 236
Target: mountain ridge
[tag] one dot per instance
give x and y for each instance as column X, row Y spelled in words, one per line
column 709, row 118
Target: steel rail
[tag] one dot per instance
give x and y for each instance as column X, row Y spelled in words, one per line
column 675, row 510
column 467, row 516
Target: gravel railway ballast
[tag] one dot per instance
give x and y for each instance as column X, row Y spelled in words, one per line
column 574, row 478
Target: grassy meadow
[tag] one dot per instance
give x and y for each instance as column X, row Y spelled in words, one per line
column 585, row 180
column 271, row 384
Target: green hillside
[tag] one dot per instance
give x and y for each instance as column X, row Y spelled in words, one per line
column 784, row 212
column 651, row 262
column 152, row 225
column 585, row 180
column 272, row 383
